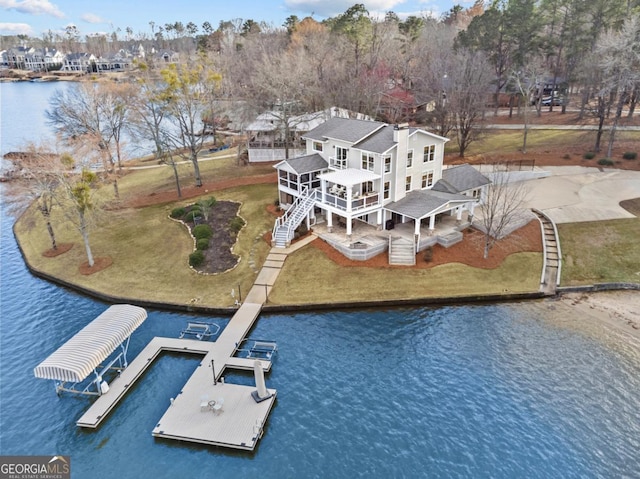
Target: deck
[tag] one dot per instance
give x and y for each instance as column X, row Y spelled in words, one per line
column 195, row 414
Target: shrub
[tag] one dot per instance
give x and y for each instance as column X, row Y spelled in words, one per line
column 178, row 213
column 605, row 162
column 196, row 258
column 236, row 224
column 630, row 155
column 428, row 255
column 202, row 244
column 192, row 215
column 202, row 231
column 589, row 155
column 302, row 229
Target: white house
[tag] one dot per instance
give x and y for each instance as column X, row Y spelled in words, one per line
column 372, row 174
column 270, row 140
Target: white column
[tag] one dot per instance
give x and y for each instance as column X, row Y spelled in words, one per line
column 329, row 221
column 416, row 230
column 379, row 219
column 432, row 224
column 459, row 215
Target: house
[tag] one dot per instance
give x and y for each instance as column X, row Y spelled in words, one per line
column 274, row 135
column 79, row 62
column 399, row 105
column 369, row 176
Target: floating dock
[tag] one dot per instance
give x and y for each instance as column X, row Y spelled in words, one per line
column 207, row 410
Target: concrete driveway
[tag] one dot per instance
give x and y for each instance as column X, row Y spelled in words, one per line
column 574, row 194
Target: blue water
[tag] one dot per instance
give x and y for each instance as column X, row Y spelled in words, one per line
column 497, row 391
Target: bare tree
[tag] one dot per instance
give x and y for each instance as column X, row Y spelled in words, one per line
column 469, row 83
column 37, row 182
column 188, row 90
column 527, row 82
column 502, row 207
column 85, row 116
column 618, row 56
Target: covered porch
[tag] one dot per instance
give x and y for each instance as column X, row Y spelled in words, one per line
column 348, row 194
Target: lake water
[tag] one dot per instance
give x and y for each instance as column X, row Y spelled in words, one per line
column 501, row 391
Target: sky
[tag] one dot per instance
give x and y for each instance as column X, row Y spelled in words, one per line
column 35, row 17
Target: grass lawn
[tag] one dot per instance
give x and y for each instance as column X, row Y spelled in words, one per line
column 600, row 252
column 150, row 252
column 310, row 277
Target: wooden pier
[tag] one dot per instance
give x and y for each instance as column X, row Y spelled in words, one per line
column 207, row 410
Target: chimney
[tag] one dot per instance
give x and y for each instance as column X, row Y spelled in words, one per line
column 400, row 131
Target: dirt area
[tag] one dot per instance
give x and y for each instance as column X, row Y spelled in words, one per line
column 167, row 196
column 632, row 206
column 469, row 251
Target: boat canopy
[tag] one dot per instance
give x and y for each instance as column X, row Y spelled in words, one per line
column 76, row 359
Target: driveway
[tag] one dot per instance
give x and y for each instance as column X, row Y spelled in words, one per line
column 574, row 194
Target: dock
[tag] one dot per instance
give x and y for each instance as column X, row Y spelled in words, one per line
column 207, row 410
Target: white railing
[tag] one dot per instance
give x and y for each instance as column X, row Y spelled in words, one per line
column 337, row 163
column 290, row 214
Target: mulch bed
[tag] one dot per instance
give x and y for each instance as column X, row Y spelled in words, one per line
column 61, row 249
column 219, row 258
column 98, row 265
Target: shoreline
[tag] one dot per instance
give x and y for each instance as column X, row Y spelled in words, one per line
column 618, row 310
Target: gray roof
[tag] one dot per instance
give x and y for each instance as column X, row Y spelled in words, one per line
column 305, row 164
column 460, row 178
column 421, row 203
column 344, row 129
column 380, row 142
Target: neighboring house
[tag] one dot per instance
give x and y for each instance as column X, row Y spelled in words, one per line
column 366, row 176
column 269, row 140
column 16, row 57
column 79, row 62
column 399, row 105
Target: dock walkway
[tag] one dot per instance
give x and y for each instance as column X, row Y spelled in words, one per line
column 207, row 410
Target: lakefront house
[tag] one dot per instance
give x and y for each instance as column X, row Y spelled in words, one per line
column 367, row 186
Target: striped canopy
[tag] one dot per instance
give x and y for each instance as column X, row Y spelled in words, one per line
column 94, row 343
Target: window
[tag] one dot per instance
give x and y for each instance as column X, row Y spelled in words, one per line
column 387, row 164
column 409, row 158
column 407, row 183
column 429, row 153
column 368, row 161
column 341, row 157
column 386, row 190
column 317, row 146
column 427, row 179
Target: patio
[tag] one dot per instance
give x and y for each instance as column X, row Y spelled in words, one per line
column 367, row 241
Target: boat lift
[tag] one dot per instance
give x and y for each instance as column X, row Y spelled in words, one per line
column 256, row 349
column 83, row 355
column 200, row 330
